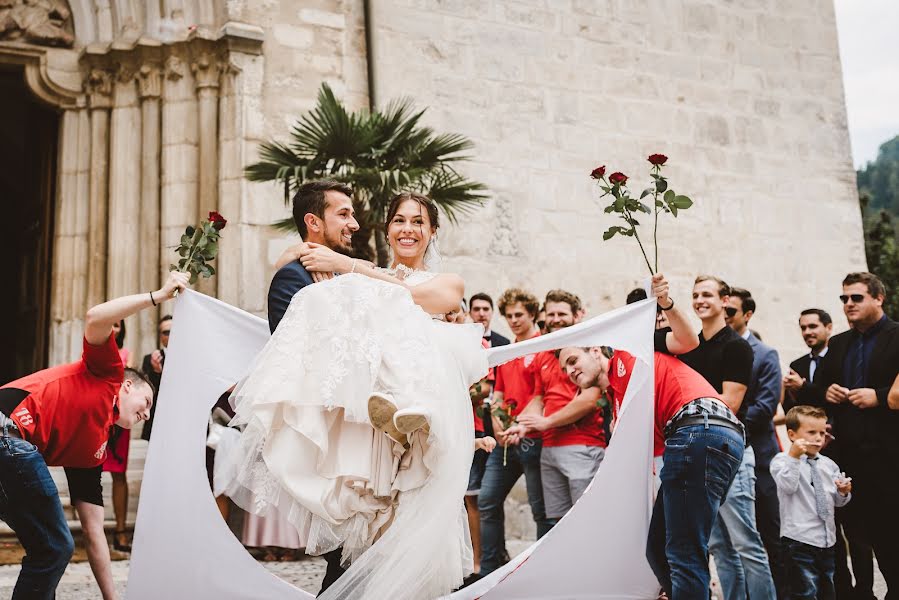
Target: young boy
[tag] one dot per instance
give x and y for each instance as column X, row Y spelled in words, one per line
column 809, row 486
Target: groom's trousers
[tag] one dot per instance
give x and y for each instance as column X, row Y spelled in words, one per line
column 333, row 571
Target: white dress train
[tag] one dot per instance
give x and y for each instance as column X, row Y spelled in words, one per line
column 309, row 450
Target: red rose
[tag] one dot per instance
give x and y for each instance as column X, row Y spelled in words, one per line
column 217, row 220
column 617, row 178
column 598, row 172
column 657, row 159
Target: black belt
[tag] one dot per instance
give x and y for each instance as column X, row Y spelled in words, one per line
column 703, row 419
column 12, row 430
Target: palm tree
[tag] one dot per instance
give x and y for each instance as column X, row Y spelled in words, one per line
column 379, row 153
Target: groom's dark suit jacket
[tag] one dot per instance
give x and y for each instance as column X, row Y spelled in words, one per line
column 289, row 280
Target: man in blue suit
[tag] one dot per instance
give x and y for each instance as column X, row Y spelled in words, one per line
column 760, row 404
column 323, row 213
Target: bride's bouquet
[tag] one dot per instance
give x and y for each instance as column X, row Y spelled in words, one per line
column 664, row 200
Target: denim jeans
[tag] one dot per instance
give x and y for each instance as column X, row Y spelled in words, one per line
column 496, row 485
column 700, row 462
column 809, row 571
column 29, row 503
column 736, row 543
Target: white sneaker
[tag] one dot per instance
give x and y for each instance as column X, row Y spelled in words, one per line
column 411, row 419
column 381, row 411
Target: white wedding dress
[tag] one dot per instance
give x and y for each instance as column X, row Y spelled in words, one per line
column 309, row 451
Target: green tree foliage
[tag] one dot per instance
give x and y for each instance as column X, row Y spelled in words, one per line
column 379, row 153
column 879, row 180
column 882, row 252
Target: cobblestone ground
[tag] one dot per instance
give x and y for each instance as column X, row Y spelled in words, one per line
column 78, row 582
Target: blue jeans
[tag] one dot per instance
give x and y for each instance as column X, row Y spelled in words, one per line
column 809, row 571
column 496, row 485
column 29, row 503
column 736, row 543
column 699, row 464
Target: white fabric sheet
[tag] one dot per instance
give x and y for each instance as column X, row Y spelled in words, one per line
column 183, row 548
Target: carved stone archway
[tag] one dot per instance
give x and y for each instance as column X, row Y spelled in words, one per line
column 148, row 138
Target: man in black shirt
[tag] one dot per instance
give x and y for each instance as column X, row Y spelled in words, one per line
column 725, row 360
column 852, row 384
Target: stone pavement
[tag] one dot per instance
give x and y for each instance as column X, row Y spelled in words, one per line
column 78, row 582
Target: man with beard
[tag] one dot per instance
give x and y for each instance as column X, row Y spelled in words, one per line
column 323, row 213
column 816, row 327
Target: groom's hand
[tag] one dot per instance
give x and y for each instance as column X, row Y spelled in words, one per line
column 321, row 276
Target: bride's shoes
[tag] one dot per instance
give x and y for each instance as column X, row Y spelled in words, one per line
column 412, row 419
column 381, row 413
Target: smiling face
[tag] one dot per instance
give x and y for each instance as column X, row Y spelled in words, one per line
column 520, row 321
column 339, row 223
column 585, row 368
column 133, row 401
column 559, row 315
column 707, row 303
column 409, row 232
column 814, row 333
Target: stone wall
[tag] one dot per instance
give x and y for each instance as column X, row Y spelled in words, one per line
column 745, row 98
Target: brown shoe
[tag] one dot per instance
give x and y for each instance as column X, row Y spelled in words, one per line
column 380, row 412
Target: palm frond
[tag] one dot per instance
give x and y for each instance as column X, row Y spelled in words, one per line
column 454, row 194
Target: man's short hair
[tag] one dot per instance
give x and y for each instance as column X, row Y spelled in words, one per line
column 875, row 285
column 136, row 377
column 822, row 314
column 746, row 299
column 310, row 198
column 513, row 296
column 562, row 296
column 723, row 288
column 635, row 295
column 803, row 410
column 480, row 296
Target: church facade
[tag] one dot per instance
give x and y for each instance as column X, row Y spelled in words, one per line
column 126, row 120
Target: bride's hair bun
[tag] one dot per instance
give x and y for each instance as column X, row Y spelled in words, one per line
column 427, row 203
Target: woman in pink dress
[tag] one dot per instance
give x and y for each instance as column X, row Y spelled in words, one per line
column 116, row 463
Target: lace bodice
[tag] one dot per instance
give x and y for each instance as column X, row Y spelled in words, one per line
column 412, row 277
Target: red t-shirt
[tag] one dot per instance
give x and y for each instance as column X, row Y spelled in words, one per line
column 676, row 384
column 69, row 409
column 516, row 383
column 557, row 390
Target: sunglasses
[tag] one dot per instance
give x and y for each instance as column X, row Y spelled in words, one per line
column 856, row 298
column 164, row 332
column 730, row 311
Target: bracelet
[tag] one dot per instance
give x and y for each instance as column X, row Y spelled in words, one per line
column 353, row 270
column 670, row 306
column 151, row 299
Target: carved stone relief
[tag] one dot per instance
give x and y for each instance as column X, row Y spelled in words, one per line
column 41, row 22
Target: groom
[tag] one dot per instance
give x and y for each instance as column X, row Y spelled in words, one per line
column 323, row 213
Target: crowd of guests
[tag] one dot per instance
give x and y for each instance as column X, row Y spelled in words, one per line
column 788, row 515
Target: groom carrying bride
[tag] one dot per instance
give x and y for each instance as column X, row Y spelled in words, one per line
column 323, row 213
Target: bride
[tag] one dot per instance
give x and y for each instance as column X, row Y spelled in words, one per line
column 357, row 420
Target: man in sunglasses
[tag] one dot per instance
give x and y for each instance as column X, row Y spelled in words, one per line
column 152, row 366
column 725, row 360
column 852, row 384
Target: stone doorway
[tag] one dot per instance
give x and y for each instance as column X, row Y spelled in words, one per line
column 28, row 149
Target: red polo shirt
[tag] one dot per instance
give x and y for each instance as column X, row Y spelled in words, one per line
column 66, row 411
column 515, row 381
column 557, row 390
column 676, row 384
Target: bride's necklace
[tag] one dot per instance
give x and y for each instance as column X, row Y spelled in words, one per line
column 401, row 271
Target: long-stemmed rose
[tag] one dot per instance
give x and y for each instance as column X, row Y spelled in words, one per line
column 199, row 246
column 664, row 200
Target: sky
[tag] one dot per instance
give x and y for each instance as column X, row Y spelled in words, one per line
column 869, row 51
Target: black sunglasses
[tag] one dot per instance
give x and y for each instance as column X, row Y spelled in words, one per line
column 164, row 332
column 730, row 311
column 856, row 298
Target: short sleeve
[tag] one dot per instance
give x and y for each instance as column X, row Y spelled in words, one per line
column 737, row 362
column 535, row 370
column 85, row 485
column 500, row 385
column 103, row 360
column 660, row 340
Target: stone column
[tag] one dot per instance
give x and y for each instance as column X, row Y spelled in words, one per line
column 99, row 87
column 149, row 80
column 206, row 70
column 228, row 264
column 123, row 268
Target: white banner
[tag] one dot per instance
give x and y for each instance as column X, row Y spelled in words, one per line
column 184, row 549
